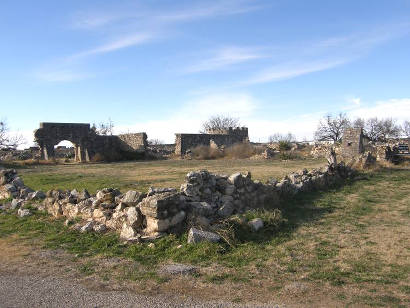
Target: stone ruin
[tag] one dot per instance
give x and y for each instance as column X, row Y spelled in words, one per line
column 357, row 149
column 354, row 142
column 87, row 143
column 186, row 142
column 202, row 202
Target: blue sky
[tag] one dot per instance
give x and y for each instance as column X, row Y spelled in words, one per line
column 164, row 66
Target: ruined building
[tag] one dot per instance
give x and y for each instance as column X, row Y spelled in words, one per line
column 353, row 142
column 185, row 142
column 87, row 143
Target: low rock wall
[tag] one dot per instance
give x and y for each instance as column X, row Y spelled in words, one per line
column 202, row 200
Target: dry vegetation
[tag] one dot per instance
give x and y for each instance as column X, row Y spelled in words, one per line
column 347, row 247
column 140, row 175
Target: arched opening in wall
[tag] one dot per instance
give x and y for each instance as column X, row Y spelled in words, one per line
column 65, row 150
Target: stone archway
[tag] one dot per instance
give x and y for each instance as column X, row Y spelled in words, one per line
column 50, row 134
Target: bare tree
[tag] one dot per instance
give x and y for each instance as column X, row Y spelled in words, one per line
column 289, row 137
column 406, row 128
column 331, row 128
column 219, row 123
column 6, row 140
column 155, row 142
column 104, row 128
column 284, row 140
column 380, row 130
column 359, row 123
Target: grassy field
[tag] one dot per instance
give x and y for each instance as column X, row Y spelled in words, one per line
column 143, row 174
column 347, row 247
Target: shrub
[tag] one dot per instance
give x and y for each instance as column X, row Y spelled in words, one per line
column 97, row 158
column 284, row 145
column 241, row 150
column 288, row 155
column 206, row 152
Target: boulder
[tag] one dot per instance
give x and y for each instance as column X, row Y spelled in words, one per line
column 160, row 206
column 196, row 236
column 161, row 225
column 134, row 217
column 127, row 232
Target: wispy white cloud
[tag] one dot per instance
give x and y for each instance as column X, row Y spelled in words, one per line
column 144, row 25
column 224, row 58
column 213, row 9
column 323, row 55
column 118, row 43
column 292, row 70
column 61, row 75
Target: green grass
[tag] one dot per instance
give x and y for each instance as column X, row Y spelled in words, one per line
column 336, row 238
column 140, row 175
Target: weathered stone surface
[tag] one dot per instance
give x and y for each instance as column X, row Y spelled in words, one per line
column 157, row 225
column 177, row 269
column 99, row 228
column 37, row 195
column 229, row 190
column 235, row 179
column 55, row 209
column 127, row 232
column 152, row 191
column 87, row 227
column 18, row 182
column 16, row 203
column 84, row 195
column 134, row 217
column 132, row 198
column 196, row 236
column 256, row 224
column 160, row 206
column 23, row 212
column 226, row 210
column 200, row 208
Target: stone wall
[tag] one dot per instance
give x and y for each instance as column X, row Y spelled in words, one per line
column 203, row 200
column 185, row 142
column 133, row 141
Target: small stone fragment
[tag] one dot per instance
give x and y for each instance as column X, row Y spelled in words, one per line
column 196, row 236
column 256, row 224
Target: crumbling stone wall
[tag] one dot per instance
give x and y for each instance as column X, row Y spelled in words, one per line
column 133, row 141
column 203, row 200
column 185, row 142
column 86, row 142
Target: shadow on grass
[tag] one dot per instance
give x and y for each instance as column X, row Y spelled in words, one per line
column 250, row 246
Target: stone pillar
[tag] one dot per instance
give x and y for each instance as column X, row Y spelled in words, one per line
column 47, row 152
column 82, row 153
